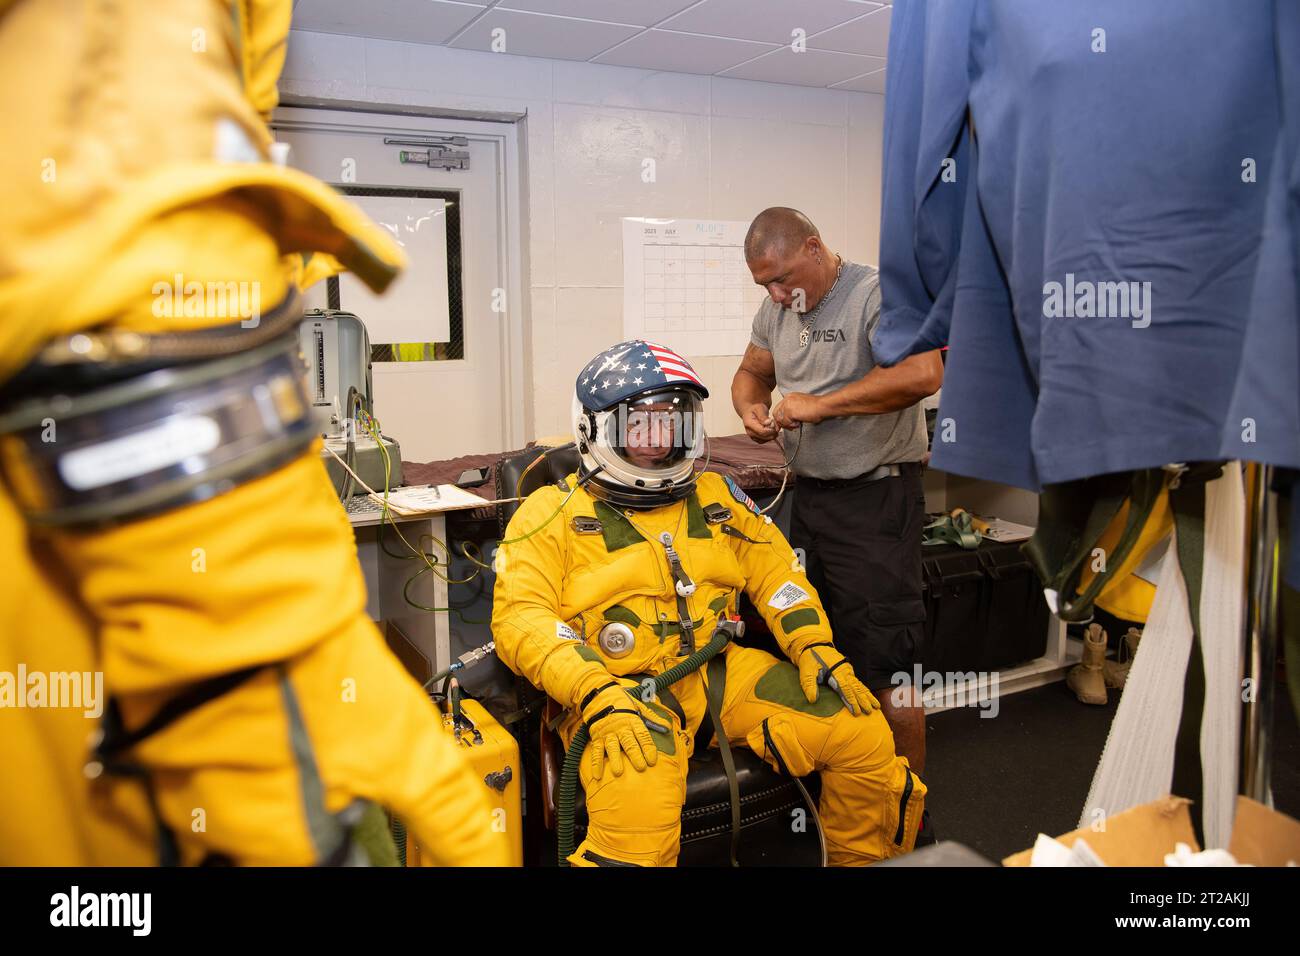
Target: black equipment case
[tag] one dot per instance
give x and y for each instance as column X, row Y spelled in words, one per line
column 985, row 609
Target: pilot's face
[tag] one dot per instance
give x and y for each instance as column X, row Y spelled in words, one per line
column 652, row 434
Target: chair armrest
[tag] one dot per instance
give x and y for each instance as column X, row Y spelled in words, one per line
column 551, row 761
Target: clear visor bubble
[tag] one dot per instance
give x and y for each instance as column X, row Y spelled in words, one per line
column 656, row 431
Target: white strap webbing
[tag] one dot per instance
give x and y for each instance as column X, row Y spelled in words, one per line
column 1137, row 763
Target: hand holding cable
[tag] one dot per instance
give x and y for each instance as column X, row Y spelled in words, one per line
column 617, row 724
column 798, row 408
column 821, row 664
column 759, row 423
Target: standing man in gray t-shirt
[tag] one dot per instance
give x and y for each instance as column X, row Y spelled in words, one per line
column 857, row 434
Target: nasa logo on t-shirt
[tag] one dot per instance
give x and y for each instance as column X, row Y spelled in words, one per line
column 827, row 336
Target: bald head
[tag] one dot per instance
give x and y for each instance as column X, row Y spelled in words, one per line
column 777, row 231
column 786, row 256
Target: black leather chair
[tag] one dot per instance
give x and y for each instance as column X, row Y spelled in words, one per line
column 769, row 801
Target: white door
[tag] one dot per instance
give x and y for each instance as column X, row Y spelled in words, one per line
column 447, row 378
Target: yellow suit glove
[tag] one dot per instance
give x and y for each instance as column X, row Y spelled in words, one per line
column 617, row 724
column 821, row 663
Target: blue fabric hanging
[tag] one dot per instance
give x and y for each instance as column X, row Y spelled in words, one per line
column 1098, row 208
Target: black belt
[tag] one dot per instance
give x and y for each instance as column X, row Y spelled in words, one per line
column 892, row 470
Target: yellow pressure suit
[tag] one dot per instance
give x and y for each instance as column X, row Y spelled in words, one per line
column 137, row 155
column 558, row 587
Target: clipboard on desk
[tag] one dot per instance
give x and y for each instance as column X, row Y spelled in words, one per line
column 428, row 499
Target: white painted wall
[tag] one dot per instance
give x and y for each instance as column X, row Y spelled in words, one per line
column 724, row 149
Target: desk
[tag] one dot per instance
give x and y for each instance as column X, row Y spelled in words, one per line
column 429, row 632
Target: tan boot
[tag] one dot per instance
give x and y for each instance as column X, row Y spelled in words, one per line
column 1116, row 672
column 1085, row 678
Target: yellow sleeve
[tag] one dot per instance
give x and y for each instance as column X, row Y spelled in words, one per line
column 263, row 42
column 774, row 578
column 531, row 636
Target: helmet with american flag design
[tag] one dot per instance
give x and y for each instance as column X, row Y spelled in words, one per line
column 638, row 421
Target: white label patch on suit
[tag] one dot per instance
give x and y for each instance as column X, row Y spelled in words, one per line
column 787, row 595
column 564, row 632
column 139, row 453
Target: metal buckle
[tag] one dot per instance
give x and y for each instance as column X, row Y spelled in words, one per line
column 716, row 513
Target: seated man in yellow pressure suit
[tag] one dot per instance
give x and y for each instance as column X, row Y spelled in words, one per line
column 631, row 569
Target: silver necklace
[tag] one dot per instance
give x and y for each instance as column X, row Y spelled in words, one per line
column 806, row 332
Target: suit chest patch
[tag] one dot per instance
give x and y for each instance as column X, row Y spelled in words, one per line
column 739, row 494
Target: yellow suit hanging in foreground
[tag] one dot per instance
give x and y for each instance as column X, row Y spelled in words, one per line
column 136, row 168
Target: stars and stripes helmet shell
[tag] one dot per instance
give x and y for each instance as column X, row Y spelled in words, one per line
column 638, row 420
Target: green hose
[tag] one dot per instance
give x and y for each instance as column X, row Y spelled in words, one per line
column 566, row 799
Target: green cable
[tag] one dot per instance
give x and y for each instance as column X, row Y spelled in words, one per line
column 424, row 607
column 567, row 795
column 429, row 558
column 372, row 429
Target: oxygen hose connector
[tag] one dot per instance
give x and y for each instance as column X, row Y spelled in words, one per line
column 468, row 659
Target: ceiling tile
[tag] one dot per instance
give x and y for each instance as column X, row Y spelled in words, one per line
column 640, row 12
column 869, row 34
column 810, row 68
column 537, row 34
column 683, row 52
column 771, row 21
column 867, row 83
column 419, row 21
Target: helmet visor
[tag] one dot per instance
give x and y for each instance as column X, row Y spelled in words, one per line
column 655, row 432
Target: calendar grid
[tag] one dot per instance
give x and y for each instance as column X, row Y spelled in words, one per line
column 697, row 287
column 697, row 296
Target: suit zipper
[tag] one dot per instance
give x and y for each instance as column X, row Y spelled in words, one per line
column 902, row 808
